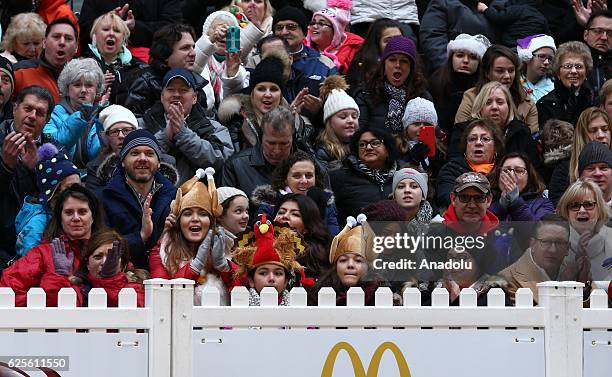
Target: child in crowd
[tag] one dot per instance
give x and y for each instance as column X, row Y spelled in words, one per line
column 268, row 258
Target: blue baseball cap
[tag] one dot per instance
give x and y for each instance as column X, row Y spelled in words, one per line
column 181, row 73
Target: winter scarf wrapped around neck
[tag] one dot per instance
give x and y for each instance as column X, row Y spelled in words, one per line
column 397, row 103
column 255, row 298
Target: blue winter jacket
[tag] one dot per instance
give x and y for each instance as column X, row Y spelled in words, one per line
column 124, row 213
column 67, row 127
column 312, row 66
column 29, row 225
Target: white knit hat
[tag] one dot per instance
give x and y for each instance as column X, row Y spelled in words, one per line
column 528, row 45
column 213, row 16
column 420, row 110
column 338, row 100
column 115, row 114
column 226, row 192
column 476, row 44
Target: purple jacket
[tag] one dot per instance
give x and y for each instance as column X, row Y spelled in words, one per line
column 528, row 207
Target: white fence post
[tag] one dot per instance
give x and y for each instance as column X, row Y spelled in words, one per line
column 562, row 302
column 158, row 298
column 182, row 329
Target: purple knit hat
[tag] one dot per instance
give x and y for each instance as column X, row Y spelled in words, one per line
column 400, row 45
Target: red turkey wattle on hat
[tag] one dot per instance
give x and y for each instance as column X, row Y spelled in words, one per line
column 264, row 239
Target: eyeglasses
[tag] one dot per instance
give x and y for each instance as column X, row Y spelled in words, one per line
column 290, row 27
column 319, row 24
column 569, row 66
column 588, row 205
column 546, row 244
column 124, row 131
column 466, row 198
column 483, row 139
column 517, row 170
column 544, row 57
column 372, row 143
column 600, row 31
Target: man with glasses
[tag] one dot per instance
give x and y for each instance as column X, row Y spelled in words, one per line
column 595, row 163
column 537, row 53
column 291, row 24
column 598, row 36
column 543, row 260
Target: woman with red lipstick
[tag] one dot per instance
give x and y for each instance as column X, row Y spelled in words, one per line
column 383, row 99
column 494, row 102
column 501, row 64
column 109, row 37
column 572, row 94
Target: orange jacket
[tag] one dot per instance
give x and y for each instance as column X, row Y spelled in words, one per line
column 36, row 72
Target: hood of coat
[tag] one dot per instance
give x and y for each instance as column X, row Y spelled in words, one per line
column 112, row 161
column 557, row 154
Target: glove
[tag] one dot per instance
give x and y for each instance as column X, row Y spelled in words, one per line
column 197, row 263
column 89, row 111
column 218, row 251
column 508, row 198
column 61, row 261
column 418, row 152
column 111, row 264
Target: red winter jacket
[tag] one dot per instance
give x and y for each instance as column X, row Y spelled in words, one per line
column 347, row 50
column 113, row 286
column 36, row 269
column 158, row 270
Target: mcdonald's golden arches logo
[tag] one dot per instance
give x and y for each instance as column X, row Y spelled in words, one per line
column 358, row 367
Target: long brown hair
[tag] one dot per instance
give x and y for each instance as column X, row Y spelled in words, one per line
column 176, row 246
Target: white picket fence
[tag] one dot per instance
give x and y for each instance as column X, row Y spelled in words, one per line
column 171, row 337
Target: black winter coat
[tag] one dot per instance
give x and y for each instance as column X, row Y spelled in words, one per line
column 354, row 189
column 125, row 75
column 559, row 181
column 150, row 16
column 373, row 110
column 602, row 70
column 446, row 178
column 444, row 20
column 517, row 138
column 517, row 19
column 246, row 170
column 561, row 20
column 448, row 96
column 15, row 185
column 561, row 104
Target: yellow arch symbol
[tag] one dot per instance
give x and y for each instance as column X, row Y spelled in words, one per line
column 358, row 368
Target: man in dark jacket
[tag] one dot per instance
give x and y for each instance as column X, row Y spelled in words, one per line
column 7, row 84
column 253, row 166
column 291, row 25
column 598, row 36
column 173, row 47
column 183, row 130
column 19, row 140
column 444, row 20
column 143, row 17
column 137, row 198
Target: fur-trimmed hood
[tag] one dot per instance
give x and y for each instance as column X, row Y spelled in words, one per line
column 555, row 155
column 234, row 105
column 265, row 194
column 109, row 164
